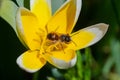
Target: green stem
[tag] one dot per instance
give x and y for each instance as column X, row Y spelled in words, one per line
column 35, row 76
column 88, row 64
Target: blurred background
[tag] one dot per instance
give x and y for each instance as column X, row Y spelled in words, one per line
column 98, row 62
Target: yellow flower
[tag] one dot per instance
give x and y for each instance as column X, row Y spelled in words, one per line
column 49, row 38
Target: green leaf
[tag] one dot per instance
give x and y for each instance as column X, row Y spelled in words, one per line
column 115, row 50
column 88, row 64
column 56, row 73
column 50, row 78
column 79, row 65
column 35, row 76
column 114, row 76
column 20, row 2
column 8, row 11
column 108, row 65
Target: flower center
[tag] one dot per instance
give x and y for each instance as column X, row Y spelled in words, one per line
column 56, row 41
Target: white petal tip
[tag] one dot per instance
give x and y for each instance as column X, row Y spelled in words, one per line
column 99, row 30
column 64, row 65
column 20, row 64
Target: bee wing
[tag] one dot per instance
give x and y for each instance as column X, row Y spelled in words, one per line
column 88, row 36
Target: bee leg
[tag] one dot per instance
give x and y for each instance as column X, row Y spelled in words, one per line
column 62, row 48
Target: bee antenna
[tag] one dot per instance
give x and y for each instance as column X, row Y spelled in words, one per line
column 74, row 34
column 72, row 40
column 74, row 43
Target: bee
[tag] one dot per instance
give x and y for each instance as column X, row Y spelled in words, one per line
column 61, row 39
column 56, row 40
column 54, row 37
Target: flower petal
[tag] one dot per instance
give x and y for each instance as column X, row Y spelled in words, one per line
column 28, row 28
column 78, row 5
column 62, row 59
column 88, row 36
column 8, row 11
column 64, row 17
column 42, row 9
column 31, row 61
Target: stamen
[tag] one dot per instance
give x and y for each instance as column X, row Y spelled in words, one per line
column 38, row 34
column 36, row 40
column 41, row 30
column 39, row 56
column 56, row 29
column 40, row 40
column 42, row 60
column 46, row 29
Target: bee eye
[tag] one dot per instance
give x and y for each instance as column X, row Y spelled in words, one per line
column 62, row 38
column 65, row 38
